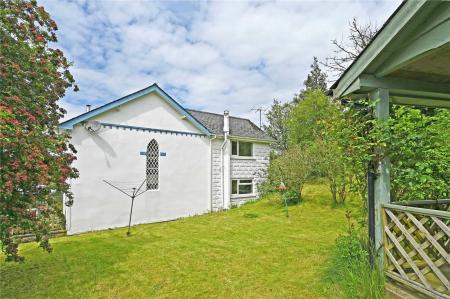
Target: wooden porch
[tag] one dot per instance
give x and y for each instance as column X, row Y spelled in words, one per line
column 407, row 63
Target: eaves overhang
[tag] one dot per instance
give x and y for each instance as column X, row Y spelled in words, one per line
column 154, row 88
column 408, row 56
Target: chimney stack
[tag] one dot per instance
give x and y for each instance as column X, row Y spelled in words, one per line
column 88, row 107
column 226, row 122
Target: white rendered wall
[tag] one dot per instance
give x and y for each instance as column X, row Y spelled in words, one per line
column 148, row 111
column 114, row 154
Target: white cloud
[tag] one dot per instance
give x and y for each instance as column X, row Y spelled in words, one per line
column 209, row 55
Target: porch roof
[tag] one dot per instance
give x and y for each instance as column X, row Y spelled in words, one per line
column 409, row 56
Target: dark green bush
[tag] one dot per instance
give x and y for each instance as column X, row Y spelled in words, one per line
column 290, row 197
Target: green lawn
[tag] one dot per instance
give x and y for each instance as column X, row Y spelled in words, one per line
column 252, row 252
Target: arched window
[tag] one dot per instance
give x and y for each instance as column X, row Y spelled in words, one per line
column 152, row 165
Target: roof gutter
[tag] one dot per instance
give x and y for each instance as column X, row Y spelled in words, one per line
column 250, row 139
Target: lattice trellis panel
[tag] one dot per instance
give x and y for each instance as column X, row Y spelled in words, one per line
column 417, row 248
column 152, row 165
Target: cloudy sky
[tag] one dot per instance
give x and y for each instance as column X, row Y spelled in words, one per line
column 208, row 55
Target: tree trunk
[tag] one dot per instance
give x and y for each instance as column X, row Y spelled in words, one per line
column 342, row 192
column 333, row 191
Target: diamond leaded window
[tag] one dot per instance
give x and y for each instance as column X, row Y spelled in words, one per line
column 152, row 165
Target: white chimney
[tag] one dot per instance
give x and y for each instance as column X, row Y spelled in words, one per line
column 226, row 122
column 88, row 108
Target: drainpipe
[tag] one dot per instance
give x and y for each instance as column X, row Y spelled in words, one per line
column 371, row 208
column 211, row 172
column 225, row 163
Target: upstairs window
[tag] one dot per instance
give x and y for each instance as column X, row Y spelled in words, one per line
column 241, row 148
column 240, row 187
column 152, row 169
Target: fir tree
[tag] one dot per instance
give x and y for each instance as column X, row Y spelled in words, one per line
column 316, row 80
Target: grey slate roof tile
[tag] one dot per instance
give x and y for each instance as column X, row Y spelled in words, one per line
column 240, row 127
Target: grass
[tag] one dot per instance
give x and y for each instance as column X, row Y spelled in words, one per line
column 349, row 269
column 252, row 252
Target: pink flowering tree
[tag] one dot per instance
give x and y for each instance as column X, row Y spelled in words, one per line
column 35, row 159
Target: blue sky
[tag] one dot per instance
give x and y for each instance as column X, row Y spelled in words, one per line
column 211, row 55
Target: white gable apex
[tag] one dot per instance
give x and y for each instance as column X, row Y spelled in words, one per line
column 150, row 106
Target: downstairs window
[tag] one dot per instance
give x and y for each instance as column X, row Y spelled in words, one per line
column 240, row 187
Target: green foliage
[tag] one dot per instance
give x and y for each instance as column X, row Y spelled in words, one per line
column 418, row 145
column 354, row 136
column 290, row 197
column 330, row 163
column 277, row 117
column 307, row 120
column 293, row 168
column 266, row 187
column 35, row 157
column 316, row 80
column 325, row 128
column 350, row 269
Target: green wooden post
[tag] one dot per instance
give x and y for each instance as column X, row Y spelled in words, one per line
column 382, row 181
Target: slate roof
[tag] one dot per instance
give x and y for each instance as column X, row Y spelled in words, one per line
column 239, row 127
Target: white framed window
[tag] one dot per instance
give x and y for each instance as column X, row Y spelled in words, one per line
column 241, row 187
column 152, row 166
column 241, row 148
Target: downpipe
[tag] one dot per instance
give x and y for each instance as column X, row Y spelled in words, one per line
column 211, row 172
column 226, row 131
column 222, row 166
column 371, row 212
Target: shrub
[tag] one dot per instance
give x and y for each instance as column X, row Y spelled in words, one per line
column 290, row 197
column 418, row 145
column 265, row 188
column 293, row 168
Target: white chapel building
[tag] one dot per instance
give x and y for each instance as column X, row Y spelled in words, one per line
column 188, row 162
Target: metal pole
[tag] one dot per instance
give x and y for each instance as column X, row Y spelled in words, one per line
column 131, row 212
column 371, row 207
column 260, row 111
column 285, row 205
column 133, row 195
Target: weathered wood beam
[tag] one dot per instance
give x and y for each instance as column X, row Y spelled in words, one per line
column 402, row 91
column 400, row 84
column 408, row 100
column 382, row 182
column 421, row 211
column 430, row 292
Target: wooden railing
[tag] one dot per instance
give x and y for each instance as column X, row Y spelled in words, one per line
column 417, row 248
